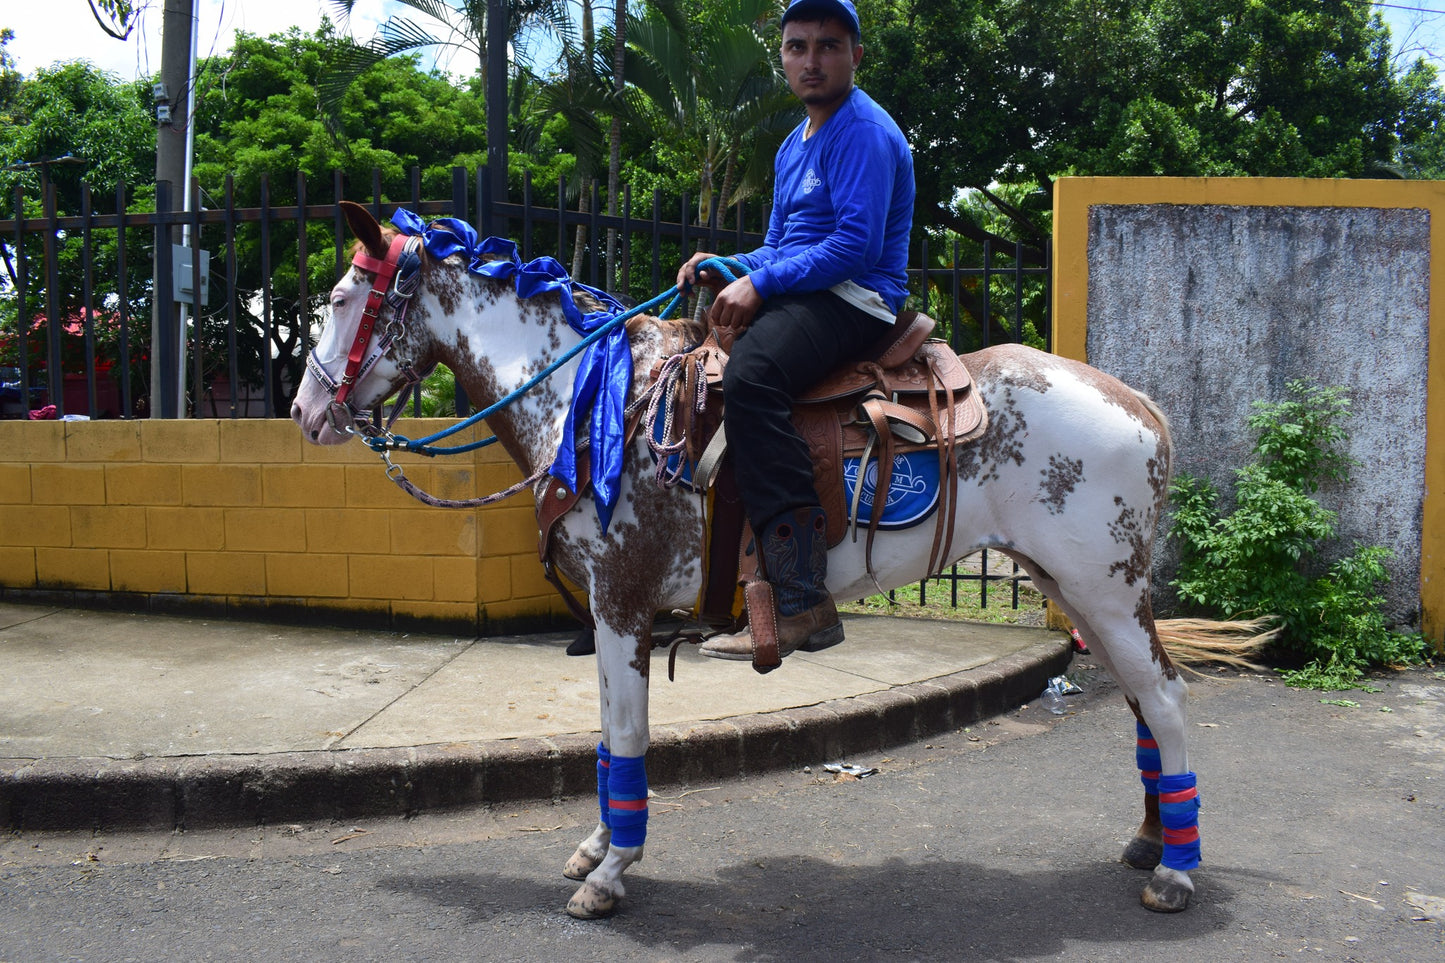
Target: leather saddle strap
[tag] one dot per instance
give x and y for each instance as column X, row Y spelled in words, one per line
column 947, row 469
column 723, row 545
column 883, row 480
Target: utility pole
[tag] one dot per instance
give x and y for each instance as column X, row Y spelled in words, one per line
column 167, row 395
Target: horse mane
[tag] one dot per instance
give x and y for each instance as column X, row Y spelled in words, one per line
column 676, row 330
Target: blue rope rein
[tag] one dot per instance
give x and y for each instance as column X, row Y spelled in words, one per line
column 729, row 268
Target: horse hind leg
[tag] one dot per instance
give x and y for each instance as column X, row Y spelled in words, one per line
column 1167, row 840
column 1120, row 633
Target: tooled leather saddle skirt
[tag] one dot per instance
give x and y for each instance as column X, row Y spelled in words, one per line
column 912, row 396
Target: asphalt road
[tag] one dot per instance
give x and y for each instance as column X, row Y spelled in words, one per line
column 1324, row 839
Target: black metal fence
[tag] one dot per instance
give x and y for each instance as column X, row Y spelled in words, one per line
column 82, row 332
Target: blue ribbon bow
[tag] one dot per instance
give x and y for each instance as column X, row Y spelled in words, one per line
column 604, row 375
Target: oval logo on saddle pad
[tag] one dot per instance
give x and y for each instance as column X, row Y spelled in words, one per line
column 912, row 490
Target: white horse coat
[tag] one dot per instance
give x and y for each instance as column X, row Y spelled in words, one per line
column 1069, row 480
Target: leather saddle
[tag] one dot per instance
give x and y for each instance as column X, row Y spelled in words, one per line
column 911, row 393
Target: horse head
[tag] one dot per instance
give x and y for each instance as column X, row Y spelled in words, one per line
column 366, row 353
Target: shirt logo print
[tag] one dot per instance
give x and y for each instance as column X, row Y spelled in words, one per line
column 811, row 181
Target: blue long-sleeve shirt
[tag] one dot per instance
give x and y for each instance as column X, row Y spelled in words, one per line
column 842, row 207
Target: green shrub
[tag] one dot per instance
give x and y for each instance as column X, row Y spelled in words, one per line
column 1259, row 559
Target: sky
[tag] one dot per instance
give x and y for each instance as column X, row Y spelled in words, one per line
column 50, row 31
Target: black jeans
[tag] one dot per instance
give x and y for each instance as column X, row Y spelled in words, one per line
column 792, row 344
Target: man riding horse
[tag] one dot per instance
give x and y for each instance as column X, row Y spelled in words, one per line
column 826, row 285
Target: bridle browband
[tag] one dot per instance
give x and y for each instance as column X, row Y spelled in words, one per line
column 402, row 265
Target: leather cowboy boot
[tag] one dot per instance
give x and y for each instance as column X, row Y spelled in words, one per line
column 795, row 558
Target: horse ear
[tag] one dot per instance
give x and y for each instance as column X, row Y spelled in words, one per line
column 364, row 226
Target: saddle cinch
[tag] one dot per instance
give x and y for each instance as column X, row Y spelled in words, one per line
column 912, row 394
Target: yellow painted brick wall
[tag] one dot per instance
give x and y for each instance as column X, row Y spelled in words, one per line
column 245, row 514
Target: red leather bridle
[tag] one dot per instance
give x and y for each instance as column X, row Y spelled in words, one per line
column 402, row 266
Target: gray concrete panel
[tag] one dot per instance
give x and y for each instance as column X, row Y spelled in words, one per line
column 1208, row 308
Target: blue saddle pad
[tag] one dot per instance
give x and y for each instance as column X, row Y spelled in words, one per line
column 912, row 489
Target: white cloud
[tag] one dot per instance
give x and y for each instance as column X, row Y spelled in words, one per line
column 55, row 31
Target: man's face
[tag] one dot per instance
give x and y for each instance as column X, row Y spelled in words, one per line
column 819, row 60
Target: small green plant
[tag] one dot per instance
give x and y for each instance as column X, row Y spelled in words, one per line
column 1261, row 558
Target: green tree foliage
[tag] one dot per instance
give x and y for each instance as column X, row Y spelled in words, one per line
column 1023, row 91
column 257, row 120
column 459, row 25
column 1263, row 556
column 67, row 127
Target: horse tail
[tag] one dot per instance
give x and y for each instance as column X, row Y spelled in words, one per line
column 1235, row 643
column 1166, row 436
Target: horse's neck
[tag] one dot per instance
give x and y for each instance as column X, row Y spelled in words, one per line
column 495, row 342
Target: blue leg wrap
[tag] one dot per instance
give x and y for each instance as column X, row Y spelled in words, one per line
column 604, row 763
column 1179, row 814
column 1147, row 756
column 627, row 801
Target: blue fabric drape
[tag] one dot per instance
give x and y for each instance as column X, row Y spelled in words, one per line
column 604, row 375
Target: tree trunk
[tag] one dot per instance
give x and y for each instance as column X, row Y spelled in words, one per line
column 614, row 141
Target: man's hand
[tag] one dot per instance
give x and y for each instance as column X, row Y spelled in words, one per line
column 734, row 308
column 736, row 303
column 688, row 274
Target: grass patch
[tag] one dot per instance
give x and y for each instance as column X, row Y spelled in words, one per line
column 938, row 604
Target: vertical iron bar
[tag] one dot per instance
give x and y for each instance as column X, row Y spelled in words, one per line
column 562, row 219
column 338, row 222
column 657, row 239
column 52, row 299
column 983, row 575
column 21, row 289
column 987, row 319
column 956, row 290
column 1018, row 292
column 527, row 216
column 233, row 361
column 197, row 306
column 87, row 301
column 624, row 279
column 303, row 256
column 122, row 302
column 593, row 271
column 266, row 317
column 167, row 353
column 923, row 277
column 459, row 210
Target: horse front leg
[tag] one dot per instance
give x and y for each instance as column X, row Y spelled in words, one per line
column 617, row 842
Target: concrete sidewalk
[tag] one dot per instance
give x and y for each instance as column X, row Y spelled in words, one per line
column 110, row 719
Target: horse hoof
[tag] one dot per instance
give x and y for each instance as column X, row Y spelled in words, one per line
column 1142, row 853
column 1168, row 892
column 580, row 865
column 591, row 902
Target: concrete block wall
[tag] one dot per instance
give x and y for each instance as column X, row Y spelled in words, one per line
column 242, row 517
column 1211, row 293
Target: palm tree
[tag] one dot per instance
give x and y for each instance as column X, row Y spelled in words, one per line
column 458, row 24
column 716, row 85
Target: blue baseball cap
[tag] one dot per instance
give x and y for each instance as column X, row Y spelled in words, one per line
column 842, row 10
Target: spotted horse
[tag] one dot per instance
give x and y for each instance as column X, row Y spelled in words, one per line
column 1069, row 480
